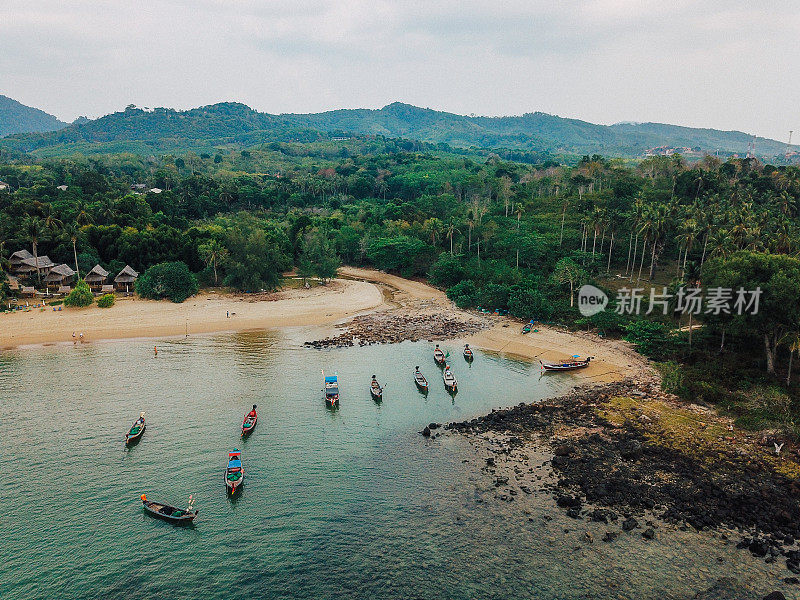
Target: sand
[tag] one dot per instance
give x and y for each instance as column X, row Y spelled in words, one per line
column 359, row 291
column 204, row 313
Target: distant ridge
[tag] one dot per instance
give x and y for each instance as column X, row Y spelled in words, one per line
column 231, row 123
column 18, row 118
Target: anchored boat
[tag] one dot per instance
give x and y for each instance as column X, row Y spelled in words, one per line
column 234, row 473
column 468, row 355
column 170, row 513
column 449, row 380
column 136, row 431
column 249, row 423
column 567, row 365
column 438, row 356
column 422, row 383
column 331, row 389
column 376, row 390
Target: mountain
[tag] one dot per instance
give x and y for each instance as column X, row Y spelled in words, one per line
column 229, row 123
column 18, row 118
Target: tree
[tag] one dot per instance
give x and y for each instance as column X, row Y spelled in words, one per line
column 778, row 278
column 33, row 228
column 213, row 254
column 72, row 231
column 256, row 258
column 172, row 280
column 80, row 296
column 566, row 271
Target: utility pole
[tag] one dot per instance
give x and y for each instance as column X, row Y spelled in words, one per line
column 789, row 144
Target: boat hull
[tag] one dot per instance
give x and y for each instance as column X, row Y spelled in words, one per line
column 154, row 509
column 248, row 429
column 569, row 366
column 131, row 440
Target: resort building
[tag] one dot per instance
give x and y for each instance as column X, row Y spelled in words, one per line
column 16, row 259
column 59, row 276
column 96, row 278
column 4, row 186
column 31, row 265
column 125, row 279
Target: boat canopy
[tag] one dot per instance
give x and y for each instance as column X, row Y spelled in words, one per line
column 331, row 379
column 332, row 391
column 234, row 453
column 234, row 464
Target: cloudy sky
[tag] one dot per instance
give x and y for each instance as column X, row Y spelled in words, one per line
column 724, row 64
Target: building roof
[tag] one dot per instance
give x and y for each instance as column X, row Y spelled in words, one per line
column 22, row 254
column 44, row 262
column 63, row 188
column 97, row 272
column 127, row 274
column 59, row 272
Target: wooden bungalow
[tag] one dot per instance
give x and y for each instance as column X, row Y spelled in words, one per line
column 13, row 283
column 125, row 279
column 96, row 278
column 30, row 265
column 16, row 259
column 59, row 276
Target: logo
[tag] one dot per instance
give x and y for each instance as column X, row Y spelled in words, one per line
column 591, row 300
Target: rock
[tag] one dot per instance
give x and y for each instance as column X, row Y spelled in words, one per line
column 648, row 533
column 569, row 501
column 793, row 566
column 574, row 513
column 629, row 524
column 426, row 432
column 775, row 596
column 791, row 580
column 589, row 537
column 598, row 516
column 610, row 536
column 758, row 547
column 434, row 426
column 563, row 450
column 490, row 462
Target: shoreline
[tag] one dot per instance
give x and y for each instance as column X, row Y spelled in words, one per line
column 359, row 301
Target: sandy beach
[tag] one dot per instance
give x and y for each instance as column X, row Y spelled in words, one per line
column 358, row 291
column 205, row 313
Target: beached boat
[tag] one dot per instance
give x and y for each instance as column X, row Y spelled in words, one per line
column 438, row 356
column 331, row 389
column 135, row 433
column 170, row 513
column 449, row 380
column 527, row 328
column 567, row 365
column 249, row 423
column 375, row 389
column 419, row 379
column 468, row 355
column 234, row 473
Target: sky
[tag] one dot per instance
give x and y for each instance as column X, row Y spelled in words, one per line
column 723, row 64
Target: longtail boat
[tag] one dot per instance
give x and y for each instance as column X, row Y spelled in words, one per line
column 567, row 365
column 527, row 328
column 135, row 433
column 449, row 380
column 234, row 473
column 468, row 355
column 331, row 389
column 438, row 356
column 170, row 513
column 249, row 423
column 422, row 383
column 376, row 390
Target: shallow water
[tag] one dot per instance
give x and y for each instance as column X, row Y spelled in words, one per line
column 345, row 503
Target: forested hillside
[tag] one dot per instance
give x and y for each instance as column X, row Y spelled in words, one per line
column 231, row 124
column 18, row 118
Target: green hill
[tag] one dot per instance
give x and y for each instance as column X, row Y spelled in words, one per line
column 204, row 128
column 18, row 118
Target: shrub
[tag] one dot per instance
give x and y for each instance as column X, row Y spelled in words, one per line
column 672, row 376
column 527, row 302
column 493, row 296
column 106, row 301
column 447, row 271
column 464, row 294
column 407, row 255
column 650, row 338
column 171, row 280
column 80, row 296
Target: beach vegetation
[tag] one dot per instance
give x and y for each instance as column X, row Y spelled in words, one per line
column 171, row 280
column 106, row 301
column 80, row 295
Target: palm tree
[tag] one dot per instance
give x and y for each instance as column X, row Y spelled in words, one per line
column 72, row 231
column 213, row 253
column 33, row 228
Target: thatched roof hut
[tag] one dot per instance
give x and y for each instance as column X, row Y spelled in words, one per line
column 96, row 277
column 29, row 265
column 59, row 275
column 16, row 259
column 125, row 278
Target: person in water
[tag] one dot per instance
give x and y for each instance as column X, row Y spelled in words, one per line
column 252, row 413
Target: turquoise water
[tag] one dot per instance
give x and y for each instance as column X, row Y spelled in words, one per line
column 347, row 503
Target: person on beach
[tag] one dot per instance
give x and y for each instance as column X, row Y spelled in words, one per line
column 155, row 350
column 81, row 336
column 227, row 314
